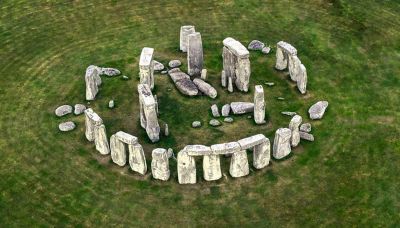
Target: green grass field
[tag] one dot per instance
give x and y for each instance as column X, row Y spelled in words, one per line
column 348, row 177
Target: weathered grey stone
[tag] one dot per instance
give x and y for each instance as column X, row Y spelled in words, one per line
column 282, row 143
column 306, row 136
column 197, row 150
column 211, row 167
column 239, row 164
column 204, row 74
column 206, row 88
column 79, row 109
column 148, row 112
column 91, row 120
column 317, row 110
column 266, row 50
column 67, row 126
column 294, row 67
column 185, row 31
column 225, row 148
column 170, row 153
column 236, row 47
column 174, row 63
column 294, row 126
column 269, row 84
column 283, row 50
column 183, row 83
column 214, row 110
column 214, row 123
column 160, row 164
column 158, row 66
column 223, row 79
column 302, row 79
column 228, row 119
column 126, row 138
column 137, row 159
column 251, row 141
column 259, row 105
column 243, row 74
column 256, row 45
column 225, row 110
column 146, row 67
column 186, row 168
column 289, row 113
column 195, row 54
column 262, row 154
column 101, row 140
column 230, row 85
column 111, row 104
column 166, row 130
column 164, row 72
column 92, row 80
column 118, row 151
column 242, row 107
column 110, row 72
column 156, row 101
column 196, row 124
column 63, row 110
column 305, row 127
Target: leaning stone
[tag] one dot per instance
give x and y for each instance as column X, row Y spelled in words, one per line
column 266, row 50
column 294, row 126
column 211, row 167
column 214, row 123
column 204, row 74
column 79, row 109
column 183, row 83
column 214, row 110
column 158, row 66
column 225, row 148
column 174, row 63
column 111, row 104
column 206, row 88
column 228, row 119
column 185, row 31
column 306, row 136
column 196, row 124
column 251, row 141
column 239, row 164
column 160, row 164
column 317, row 110
column 186, row 168
column 289, row 113
column 198, row 150
column 242, row 107
column 137, row 159
column 305, row 127
column 67, row 126
column 126, row 138
column 256, row 45
column 101, row 140
column 282, row 143
column 225, row 110
column 118, row 153
column 63, row 110
column 262, row 154
column 109, row 71
column 195, row 54
column 259, row 105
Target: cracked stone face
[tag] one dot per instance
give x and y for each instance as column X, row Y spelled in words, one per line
column 160, row 164
column 186, row 168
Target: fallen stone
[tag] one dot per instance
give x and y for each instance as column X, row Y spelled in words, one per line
column 242, row 107
column 317, row 110
column 266, row 50
column 289, row 113
column 160, row 164
column 305, row 127
column 183, row 83
column 214, row 123
column 256, row 45
column 225, row 110
column 280, row 98
column 79, row 109
column 211, row 167
column 269, row 84
column 174, row 63
column 63, row 110
column 196, row 124
column 306, row 136
column 111, row 104
column 206, row 88
column 228, row 119
column 67, row 126
column 109, row 71
column 214, row 110
column 158, row 66
column 186, row 168
column 294, row 126
column 282, row 143
column 198, row 150
column 239, row 166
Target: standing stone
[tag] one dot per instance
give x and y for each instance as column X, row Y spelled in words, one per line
column 91, row 120
column 282, row 143
column 206, row 88
column 214, row 110
column 137, row 159
column 170, row 153
column 223, row 79
column 239, row 164
column 185, row 31
column 160, row 164
column 305, row 127
column 283, row 51
column 118, row 153
column 242, row 107
column 195, row 54
column 146, row 67
column 262, row 154
column 111, row 104
column 156, row 100
column 92, row 80
column 225, row 110
column 186, row 168
column 294, row 126
column 230, row 85
column 302, row 79
column 259, row 105
column 101, row 140
column 294, row 67
column 166, row 130
column 148, row 112
column 211, row 167
column 317, row 110
column 204, row 74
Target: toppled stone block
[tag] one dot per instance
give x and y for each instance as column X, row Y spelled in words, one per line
column 242, row 107
column 206, row 88
column 183, row 83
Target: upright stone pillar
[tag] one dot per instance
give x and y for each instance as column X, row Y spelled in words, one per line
column 118, row 151
column 294, row 126
column 302, row 79
column 294, row 67
column 185, row 31
column 160, row 164
column 195, row 54
column 211, row 167
column 101, row 140
column 283, row 51
column 262, row 154
column 259, row 105
column 92, row 80
column 223, row 79
column 148, row 113
column 91, row 120
column 186, row 168
column 146, row 67
column 282, row 143
column 137, row 159
column 239, row 164
column 229, row 60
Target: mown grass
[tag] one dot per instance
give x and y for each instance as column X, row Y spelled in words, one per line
column 347, row 177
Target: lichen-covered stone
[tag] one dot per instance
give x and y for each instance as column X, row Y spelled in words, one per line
column 305, row 127
column 256, row 45
column 214, row 122
column 230, row 85
column 211, row 167
column 225, row 148
column 160, row 164
column 91, row 120
column 183, row 83
column 317, row 110
column 118, row 151
column 126, row 138
column 148, row 112
column 302, row 79
column 92, row 80
column 242, row 107
column 239, row 166
column 206, row 88
column 283, row 50
column 228, row 119
column 195, row 54
column 158, row 66
column 174, row 63
column 186, row 168
column 282, row 143
column 203, row 74
column 249, row 142
column 196, row 124
column 79, row 109
column 306, row 136
column 223, row 79
column 294, row 126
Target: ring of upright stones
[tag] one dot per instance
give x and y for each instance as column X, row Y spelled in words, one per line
column 286, row 58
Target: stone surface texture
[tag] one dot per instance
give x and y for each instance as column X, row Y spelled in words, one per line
column 211, row 167
column 195, row 54
column 206, row 88
column 118, row 151
column 294, row 127
column 137, row 159
column 214, row 110
column 239, row 166
column 186, row 168
column 101, row 140
column 79, row 109
column 146, row 67
column 66, row 126
column 63, row 110
column 282, row 143
column 148, row 112
column 160, row 164
column 256, row 45
column 183, row 83
column 317, row 110
column 242, row 107
column 259, row 105
column 226, row 110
